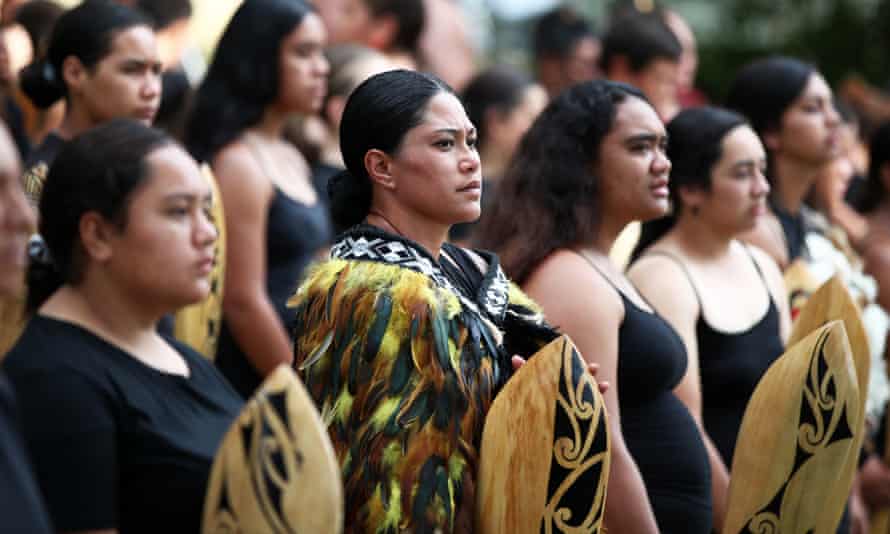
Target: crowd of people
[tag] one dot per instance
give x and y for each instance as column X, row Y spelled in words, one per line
column 341, row 190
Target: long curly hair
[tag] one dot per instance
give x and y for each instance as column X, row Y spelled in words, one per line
column 549, row 197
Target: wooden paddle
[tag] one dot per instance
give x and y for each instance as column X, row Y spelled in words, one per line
column 198, row 325
column 544, row 460
column 799, row 285
column 275, row 471
column 796, row 437
column 833, row 302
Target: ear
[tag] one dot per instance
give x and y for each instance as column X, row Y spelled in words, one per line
column 379, row 166
column 691, row 196
column 384, row 29
column 95, row 236
column 73, row 72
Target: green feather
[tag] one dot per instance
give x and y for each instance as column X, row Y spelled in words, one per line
column 382, row 312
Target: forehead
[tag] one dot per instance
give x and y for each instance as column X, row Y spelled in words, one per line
column 633, row 115
column 311, row 28
column 135, row 41
column 171, row 169
column 816, row 87
column 742, row 143
column 445, row 111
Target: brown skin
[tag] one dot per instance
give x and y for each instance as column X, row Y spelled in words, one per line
column 633, row 169
column 16, row 220
column 247, row 189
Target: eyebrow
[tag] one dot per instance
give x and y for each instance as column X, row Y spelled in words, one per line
column 453, row 131
column 189, row 197
column 648, row 137
column 141, row 62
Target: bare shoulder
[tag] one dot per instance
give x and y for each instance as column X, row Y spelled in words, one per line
column 566, row 285
column 237, row 170
column 663, row 282
column 767, row 236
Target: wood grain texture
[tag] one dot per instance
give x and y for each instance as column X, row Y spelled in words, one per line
column 796, row 437
column 799, row 285
column 833, row 302
column 275, row 471
column 544, row 461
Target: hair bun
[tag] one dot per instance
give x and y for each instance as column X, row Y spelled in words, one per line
column 350, row 199
column 42, row 83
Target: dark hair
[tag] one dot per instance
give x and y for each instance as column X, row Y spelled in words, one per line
column 557, row 33
column 696, row 146
column 85, row 32
column 410, row 15
column 97, row 171
column 499, row 88
column 163, row 13
column 38, row 17
column 243, row 79
column 640, row 37
column 764, row 89
column 548, row 199
column 878, row 158
column 377, row 115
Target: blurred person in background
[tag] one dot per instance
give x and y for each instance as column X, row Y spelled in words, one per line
column 641, row 50
column 687, row 94
column 275, row 221
column 566, row 51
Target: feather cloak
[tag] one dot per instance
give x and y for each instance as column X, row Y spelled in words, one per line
column 404, row 374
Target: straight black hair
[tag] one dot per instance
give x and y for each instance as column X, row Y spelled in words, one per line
column 498, row 89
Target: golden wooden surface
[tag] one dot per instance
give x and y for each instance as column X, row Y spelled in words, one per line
column 799, row 285
column 833, row 302
column 796, row 438
column 544, row 460
column 198, row 325
column 275, row 471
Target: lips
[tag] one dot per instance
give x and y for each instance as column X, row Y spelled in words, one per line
column 475, row 185
column 659, row 188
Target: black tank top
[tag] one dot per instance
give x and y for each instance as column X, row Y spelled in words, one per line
column 295, row 232
column 659, row 431
column 731, row 365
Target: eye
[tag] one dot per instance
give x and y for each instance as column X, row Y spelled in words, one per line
column 444, row 143
column 472, row 142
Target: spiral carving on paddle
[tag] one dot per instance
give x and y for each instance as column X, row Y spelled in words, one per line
column 579, row 469
column 824, row 419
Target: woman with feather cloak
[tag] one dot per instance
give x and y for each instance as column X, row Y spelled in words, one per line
column 403, row 339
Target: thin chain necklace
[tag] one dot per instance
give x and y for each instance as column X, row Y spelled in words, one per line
column 395, row 228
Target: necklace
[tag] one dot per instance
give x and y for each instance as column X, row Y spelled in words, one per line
column 395, row 228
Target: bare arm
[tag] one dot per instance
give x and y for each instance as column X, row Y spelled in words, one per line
column 585, row 307
column 663, row 283
column 248, row 311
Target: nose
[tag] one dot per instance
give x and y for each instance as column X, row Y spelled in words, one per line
column 205, row 231
column 470, row 162
column 832, row 117
column 660, row 163
column 761, row 185
column 151, row 87
column 322, row 66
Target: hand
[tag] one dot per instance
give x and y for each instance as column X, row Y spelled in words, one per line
column 858, row 515
column 592, row 368
column 875, row 483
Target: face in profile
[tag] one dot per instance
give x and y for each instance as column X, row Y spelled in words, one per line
column 507, row 129
column 436, row 171
column 345, row 20
column 164, row 252
column 17, row 220
column 632, row 165
column 303, row 68
column 809, row 127
column 583, row 63
column 126, row 83
column 739, row 188
column 660, row 82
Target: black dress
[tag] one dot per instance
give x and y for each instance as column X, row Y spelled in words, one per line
column 21, row 507
column 294, row 233
column 731, row 365
column 116, row 443
column 659, row 431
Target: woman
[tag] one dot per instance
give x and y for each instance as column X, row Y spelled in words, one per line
column 275, row 223
column 103, row 60
column 21, row 505
column 790, row 107
column 725, row 299
column 122, row 423
column 402, row 338
column 502, row 104
column 593, row 162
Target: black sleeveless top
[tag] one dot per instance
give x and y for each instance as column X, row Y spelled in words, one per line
column 731, row 365
column 294, row 233
column 659, row 431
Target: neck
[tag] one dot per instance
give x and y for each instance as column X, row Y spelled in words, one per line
column 792, row 181
column 272, row 124
column 330, row 151
column 428, row 234
column 115, row 319
column 699, row 238
column 607, row 232
column 495, row 163
column 74, row 123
